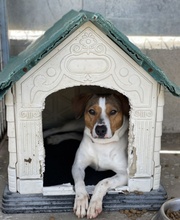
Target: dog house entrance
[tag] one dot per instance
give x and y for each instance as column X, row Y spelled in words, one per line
column 62, row 136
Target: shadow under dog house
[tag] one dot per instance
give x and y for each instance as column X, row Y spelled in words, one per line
column 81, row 52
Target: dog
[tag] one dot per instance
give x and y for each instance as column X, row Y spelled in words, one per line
column 103, row 147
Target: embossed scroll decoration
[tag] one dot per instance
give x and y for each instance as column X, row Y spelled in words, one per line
column 132, row 82
column 45, row 82
column 30, row 115
column 87, row 59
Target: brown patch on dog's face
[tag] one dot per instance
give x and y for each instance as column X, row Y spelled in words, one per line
column 115, row 117
column 114, row 112
column 79, row 104
column 92, row 112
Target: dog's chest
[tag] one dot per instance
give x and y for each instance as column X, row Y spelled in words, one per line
column 107, row 156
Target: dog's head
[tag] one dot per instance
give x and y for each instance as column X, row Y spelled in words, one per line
column 103, row 114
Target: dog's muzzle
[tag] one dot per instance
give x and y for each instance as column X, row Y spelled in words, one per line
column 101, row 130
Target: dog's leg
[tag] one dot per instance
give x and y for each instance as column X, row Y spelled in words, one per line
column 95, row 206
column 81, row 197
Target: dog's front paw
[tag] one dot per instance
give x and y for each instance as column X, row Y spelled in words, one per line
column 81, row 204
column 95, row 208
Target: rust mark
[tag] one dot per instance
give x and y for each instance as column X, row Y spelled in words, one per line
column 41, row 168
column 150, row 70
column 28, row 160
column 132, row 169
column 25, row 69
column 132, row 156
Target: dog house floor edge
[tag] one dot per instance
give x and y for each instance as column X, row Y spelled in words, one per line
column 37, row 203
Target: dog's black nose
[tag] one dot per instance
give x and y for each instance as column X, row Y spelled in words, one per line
column 101, row 130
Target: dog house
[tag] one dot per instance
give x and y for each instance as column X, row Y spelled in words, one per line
column 81, row 53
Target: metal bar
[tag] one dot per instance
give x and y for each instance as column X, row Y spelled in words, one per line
column 4, row 34
column 4, row 56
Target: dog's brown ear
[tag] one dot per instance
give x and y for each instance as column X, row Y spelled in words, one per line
column 125, row 103
column 79, row 103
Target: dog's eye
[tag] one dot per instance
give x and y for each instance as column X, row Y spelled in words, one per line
column 92, row 112
column 113, row 112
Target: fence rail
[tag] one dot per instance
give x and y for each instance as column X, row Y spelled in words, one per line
column 2, row 119
column 4, row 56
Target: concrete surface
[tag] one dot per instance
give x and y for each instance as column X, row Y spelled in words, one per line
column 168, row 61
column 140, row 17
column 170, row 161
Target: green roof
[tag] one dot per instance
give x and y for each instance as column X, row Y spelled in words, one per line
column 21, row 64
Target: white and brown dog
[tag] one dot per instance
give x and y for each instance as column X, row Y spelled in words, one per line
column 103, row 147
